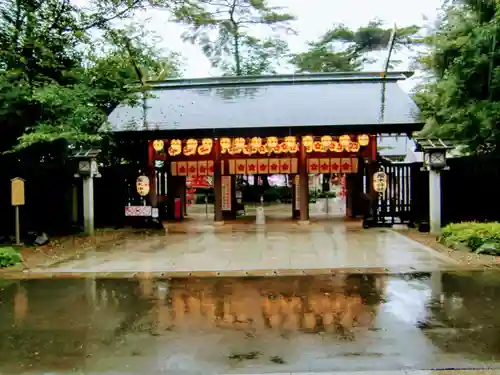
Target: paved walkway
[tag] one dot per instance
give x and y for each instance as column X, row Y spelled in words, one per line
column 276, row 247
column 410, row 372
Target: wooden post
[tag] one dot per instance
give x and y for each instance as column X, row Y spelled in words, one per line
column 184, row 197
column 218, row 218
column 151, row 173
column 349, row 201
column 372, row 169
column 170, row 189
column 17, row 199
column 295, row 196
column 304, row 185
column 181, row 194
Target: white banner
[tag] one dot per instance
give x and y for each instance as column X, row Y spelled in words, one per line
column 226, row 193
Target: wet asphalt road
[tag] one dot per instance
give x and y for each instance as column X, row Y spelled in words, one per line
column 251, row 325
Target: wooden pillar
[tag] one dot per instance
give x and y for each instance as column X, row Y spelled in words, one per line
column 180, row 193
column 183, row 192
column 349, row 201
column 170, row 201
column 371, row 170
column 167, row 203
column 354, row 182
column 295, row 194
column 218, row 218
column 304, row 184
column 151, row 173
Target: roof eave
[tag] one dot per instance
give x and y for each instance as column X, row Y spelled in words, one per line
column 279, row 131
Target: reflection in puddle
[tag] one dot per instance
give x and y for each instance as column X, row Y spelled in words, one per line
column 273, row 324
column 311, row 304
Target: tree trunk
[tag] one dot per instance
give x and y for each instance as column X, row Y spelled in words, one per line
column 236, row 36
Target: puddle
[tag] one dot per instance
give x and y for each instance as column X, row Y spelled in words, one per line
column 219, row 325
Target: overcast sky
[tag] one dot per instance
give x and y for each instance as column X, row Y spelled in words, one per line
column 314, row 18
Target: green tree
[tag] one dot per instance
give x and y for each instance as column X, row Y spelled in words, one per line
column 223, row 30
column 56, row 82
column 342, row 49
column 257, row 57
column 462, row 100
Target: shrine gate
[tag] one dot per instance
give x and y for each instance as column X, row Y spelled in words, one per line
column 285, row 124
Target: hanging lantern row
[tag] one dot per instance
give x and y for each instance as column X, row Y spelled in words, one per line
column 191, row 148
column 257, row 145
column 326, row 143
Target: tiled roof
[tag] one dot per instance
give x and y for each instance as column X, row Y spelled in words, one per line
column 228, row 104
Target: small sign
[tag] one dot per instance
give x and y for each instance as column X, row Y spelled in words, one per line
column 226, row 193
column 17, row 191
column 297, row 192
column 138, row 211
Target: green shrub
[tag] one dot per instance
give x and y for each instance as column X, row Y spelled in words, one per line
column 474, row 235
column 9, row 257
column 200, row 198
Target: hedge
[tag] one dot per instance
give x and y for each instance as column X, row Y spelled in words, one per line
column 478, row 237
column 9, row 257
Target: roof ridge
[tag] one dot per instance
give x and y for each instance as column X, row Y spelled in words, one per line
column 279, row 79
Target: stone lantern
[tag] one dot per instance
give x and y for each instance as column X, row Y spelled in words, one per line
column 88, row 169
column 434, row 150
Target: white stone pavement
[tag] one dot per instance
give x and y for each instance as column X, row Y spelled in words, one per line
column 244, row 247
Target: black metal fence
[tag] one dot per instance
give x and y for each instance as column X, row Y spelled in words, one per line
column 470, row 192
column 394, row 204
column 471, row 189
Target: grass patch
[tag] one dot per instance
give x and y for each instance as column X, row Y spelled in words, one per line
column 482, row 238
column 9, row 257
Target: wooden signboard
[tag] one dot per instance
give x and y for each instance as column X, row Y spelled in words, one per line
column 297, row 192
column 17, row 191
column 226, row 193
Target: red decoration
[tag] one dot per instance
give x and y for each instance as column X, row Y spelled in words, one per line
column 263, row 166
column 241, row 166
column 251, row 166
column 197, row 182
column 313, row 165
column 285, row 166
column 335, row 165
column 346, row 165
column 317, row 146
column 324, row 165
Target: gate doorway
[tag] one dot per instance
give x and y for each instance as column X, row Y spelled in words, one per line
column 394, row 205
